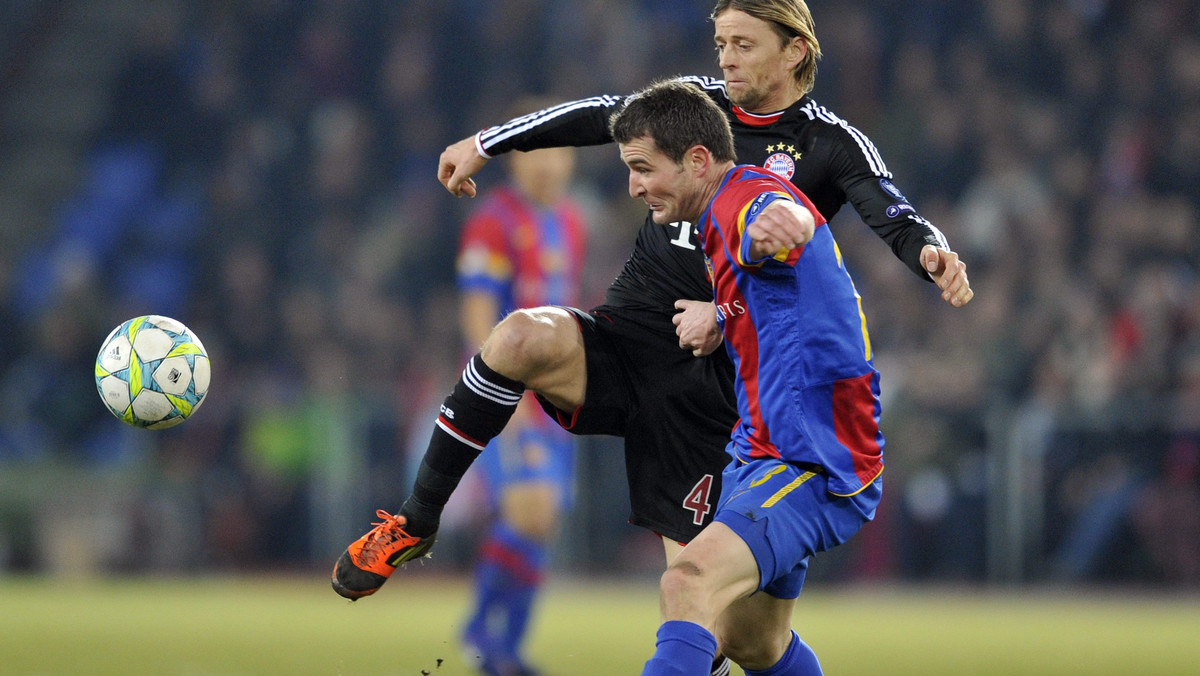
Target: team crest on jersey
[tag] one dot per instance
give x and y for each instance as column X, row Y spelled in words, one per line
column 782, row 160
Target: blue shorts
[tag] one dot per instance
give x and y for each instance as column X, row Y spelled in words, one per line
column 785, row 514
column 541, row 452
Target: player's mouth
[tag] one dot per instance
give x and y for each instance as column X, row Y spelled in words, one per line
column 657, row 208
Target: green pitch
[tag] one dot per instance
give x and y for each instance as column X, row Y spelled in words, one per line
column 203, row 626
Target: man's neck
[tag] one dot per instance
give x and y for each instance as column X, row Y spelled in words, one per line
column 774, row 104
column 712, row 183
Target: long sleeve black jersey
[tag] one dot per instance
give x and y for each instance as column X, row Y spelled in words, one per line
column 827, row 159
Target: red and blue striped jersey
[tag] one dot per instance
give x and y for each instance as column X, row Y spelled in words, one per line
column 807, row 389
column 524, row 254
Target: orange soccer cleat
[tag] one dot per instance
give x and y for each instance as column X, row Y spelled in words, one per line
column 370, row 560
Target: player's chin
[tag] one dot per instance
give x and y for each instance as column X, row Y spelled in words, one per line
column 743, row 96
column 661, row 216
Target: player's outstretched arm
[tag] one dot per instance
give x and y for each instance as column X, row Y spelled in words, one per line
column 457, row 164
column 949, row 273
column 697, row 328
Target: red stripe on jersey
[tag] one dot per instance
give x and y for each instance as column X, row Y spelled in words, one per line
column 740, row 332
column 744, row 335
column 855, row 424
column 755, row 119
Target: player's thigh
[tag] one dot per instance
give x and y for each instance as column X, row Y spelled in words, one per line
column 715, row 569
column 604, row 407
column 671, row 548
column 542, row 348
column 756, row 630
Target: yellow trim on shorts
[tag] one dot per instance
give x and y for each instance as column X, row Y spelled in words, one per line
column 795, row 483
column 865, row 484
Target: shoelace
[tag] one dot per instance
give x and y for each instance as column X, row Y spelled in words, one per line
column 387, row 531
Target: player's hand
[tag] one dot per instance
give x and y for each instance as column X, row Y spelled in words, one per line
column 456, row 166
column 949, row 273
column 782, row 225
column 696, row 326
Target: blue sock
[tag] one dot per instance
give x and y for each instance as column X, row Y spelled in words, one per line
column 507, row 579
column 683, row 649
column 797, row 660
column 490, row 583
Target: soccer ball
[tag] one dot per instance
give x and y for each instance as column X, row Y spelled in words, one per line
column 152, row 372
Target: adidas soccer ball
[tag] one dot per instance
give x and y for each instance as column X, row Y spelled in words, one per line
column 152, row 372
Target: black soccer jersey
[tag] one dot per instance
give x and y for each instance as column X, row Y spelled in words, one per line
column 827, row 159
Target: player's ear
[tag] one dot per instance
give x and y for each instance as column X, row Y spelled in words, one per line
column 698, row 158
column 796, row 50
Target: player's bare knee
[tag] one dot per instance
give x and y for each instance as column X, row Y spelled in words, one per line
column 528, row 340
column 682, row 581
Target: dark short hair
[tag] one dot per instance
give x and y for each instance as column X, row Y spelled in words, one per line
column 676, row 116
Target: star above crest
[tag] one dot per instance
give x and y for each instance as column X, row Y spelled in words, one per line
column 785, row 147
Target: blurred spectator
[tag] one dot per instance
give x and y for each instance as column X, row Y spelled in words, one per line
column 1167, row 516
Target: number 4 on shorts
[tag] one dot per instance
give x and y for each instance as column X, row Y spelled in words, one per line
column 699, row 499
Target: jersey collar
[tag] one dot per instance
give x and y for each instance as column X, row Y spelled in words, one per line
column 755, row 119
column 766, row 119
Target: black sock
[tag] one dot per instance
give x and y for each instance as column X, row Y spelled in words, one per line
column 478, row 408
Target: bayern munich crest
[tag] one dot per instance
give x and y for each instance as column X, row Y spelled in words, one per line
column 782, row 162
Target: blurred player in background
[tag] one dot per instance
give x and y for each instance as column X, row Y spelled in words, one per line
column 806, row 453
column 644, row 365
column 523, row 246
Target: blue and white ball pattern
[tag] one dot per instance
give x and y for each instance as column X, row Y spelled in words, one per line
column 152, row 372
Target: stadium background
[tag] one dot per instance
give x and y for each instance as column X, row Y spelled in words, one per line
column 264, row 172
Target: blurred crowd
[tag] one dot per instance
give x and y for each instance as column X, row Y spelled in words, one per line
column 266, row 175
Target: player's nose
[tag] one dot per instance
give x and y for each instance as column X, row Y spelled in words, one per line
column 725, row 59
column 635, row 185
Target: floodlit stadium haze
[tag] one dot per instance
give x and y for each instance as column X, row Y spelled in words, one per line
column 264, row 172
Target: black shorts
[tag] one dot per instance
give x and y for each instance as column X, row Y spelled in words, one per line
column 675, row 411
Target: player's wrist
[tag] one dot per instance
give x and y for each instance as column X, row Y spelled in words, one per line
column 479, row 145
